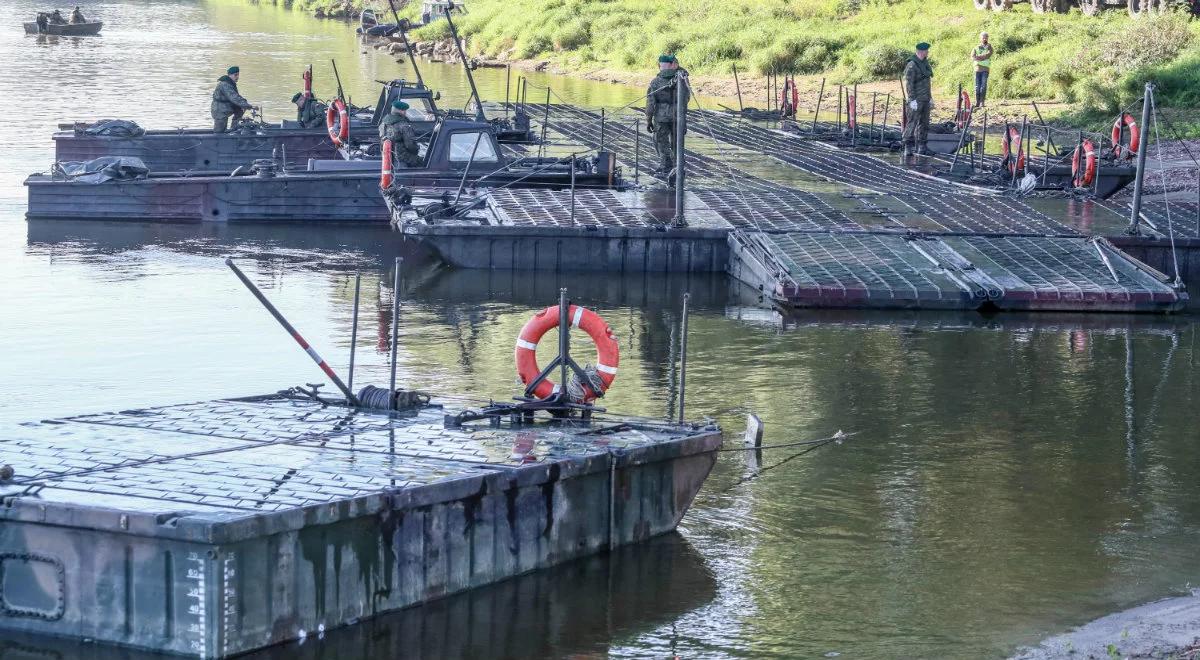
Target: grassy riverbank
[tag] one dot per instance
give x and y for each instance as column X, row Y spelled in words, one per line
column 1096, row 63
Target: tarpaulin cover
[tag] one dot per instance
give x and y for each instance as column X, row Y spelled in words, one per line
column 115, row 128
column 107, row 168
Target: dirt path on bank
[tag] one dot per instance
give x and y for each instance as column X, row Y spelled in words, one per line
column 1167, row 628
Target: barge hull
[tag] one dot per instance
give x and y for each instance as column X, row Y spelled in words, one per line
column 215, row 529
column 198, row 151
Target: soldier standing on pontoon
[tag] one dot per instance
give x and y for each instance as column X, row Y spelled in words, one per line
column 227, row 102
column 660, row 110
column 918, row 85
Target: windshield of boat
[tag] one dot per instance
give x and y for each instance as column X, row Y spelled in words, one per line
column 419, row 109
column 463, row 143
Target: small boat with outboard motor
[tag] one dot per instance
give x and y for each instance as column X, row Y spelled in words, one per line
column 52, row 23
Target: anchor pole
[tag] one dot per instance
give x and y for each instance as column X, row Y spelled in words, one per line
column 564, row 341
column 817, row 113
column 680, row 130
column 402, row 26
column 479, row 116
column 738, row 85
column 507, row 82
column 683, row 338
column 572, row 189
column 637, row 150
column 354, row 331
column 1136, row 213
column 312, row 353
column 395, row 331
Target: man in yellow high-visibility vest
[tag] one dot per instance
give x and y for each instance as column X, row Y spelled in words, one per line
column 982, row 56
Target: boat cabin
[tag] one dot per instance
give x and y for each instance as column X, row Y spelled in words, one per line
column 449, row 147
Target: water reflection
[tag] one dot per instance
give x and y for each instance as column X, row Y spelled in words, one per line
column 572, row 610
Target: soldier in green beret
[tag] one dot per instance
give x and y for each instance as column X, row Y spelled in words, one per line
column 918, row 84
column 309, row 112
column 397, row 128
column 227, row 102
column 660, row 109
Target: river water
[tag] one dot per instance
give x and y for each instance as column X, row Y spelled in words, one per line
column 1011, row 476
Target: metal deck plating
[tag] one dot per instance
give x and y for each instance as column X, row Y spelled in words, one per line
column 212, row 529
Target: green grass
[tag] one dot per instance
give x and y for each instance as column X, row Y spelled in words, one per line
column 1096, row 63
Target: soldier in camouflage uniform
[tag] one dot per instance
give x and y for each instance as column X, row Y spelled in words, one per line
column 309, row 112
column 660, row 109
column 918, row 84
column 397, row 128
column 227, row 102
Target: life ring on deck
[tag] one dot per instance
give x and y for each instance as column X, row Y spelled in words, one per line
column 964, row 110
column 337, row 122
column 1135, row 138
column 608, row 352
column 1083, row 174
column 1013, row 163
column 385, row 165
column 789, row 98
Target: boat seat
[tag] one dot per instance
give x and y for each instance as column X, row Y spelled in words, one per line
column 337, row 165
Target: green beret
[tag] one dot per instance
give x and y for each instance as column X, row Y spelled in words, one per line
column 232, row 70
column 666, row 59
column 297, row 96
column 922, row 46
column 399, row 105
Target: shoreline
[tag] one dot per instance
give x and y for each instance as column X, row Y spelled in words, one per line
column 1167, row 628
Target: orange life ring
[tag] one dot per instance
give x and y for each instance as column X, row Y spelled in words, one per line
column 337, row 122
column 385, row 164
column 608, row 353
column 964, row 110
column 1014, row 164
column 1083, row 176
column 1135, row 138
column 789, row 98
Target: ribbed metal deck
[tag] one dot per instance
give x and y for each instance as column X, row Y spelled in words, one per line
column 948, row 272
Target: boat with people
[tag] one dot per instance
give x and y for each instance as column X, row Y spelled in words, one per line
column 455, row 154
column 202, row 150
column 53, row 22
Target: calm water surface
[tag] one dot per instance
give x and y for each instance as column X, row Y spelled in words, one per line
column 1011, row 476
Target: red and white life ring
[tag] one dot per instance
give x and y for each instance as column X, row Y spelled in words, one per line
column 789, row 98
column 1014, row 163
column 1135, row 138
column 608, row 353
column 964, row 110
column 337, row 122
column 385, row 164
column 1083, row 164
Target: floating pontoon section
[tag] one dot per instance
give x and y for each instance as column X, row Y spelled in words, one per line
column 212, row 529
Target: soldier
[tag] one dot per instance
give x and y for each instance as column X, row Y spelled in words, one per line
column 227, row 102
column 56, row 17
column 397, row 128
column 918, row 83
column 660, row 110
column 309, row 112
column 77, row 16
